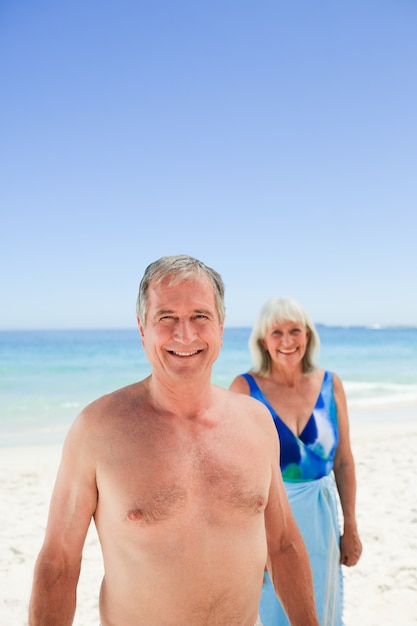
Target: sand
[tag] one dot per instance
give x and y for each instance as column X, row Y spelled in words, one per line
column 380, row 591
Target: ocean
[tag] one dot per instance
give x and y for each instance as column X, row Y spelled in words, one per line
column 47, row 377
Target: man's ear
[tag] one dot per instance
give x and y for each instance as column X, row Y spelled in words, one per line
column 141, row 330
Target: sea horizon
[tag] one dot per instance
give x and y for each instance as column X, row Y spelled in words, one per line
column 374, row 326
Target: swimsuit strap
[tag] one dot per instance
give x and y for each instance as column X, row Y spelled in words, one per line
column 256, row 392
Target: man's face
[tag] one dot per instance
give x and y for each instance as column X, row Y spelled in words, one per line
column 182, row 333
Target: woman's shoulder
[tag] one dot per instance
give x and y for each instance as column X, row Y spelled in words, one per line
column 240, row 384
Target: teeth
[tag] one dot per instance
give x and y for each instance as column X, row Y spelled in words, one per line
column 184, row 353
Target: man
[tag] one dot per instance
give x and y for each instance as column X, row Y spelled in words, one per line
column 182, row 480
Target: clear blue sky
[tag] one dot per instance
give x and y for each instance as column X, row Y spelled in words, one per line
column 276, row 141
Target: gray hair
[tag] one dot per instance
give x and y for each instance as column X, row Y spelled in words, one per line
column 281, row 310
column 178, row 268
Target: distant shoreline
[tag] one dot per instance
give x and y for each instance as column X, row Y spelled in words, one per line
column 246, row 327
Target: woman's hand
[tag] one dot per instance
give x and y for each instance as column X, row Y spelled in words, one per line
column 350, row 547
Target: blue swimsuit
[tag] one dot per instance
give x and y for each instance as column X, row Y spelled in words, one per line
column 311, row 455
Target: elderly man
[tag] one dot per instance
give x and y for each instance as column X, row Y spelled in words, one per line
column 182, row 480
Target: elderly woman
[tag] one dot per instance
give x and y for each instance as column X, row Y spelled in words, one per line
column 308, row 406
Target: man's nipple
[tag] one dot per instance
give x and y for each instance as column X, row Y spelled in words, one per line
column 135, row 515
column 260, row 504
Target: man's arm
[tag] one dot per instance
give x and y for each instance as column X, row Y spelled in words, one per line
column 73, row 502
column 288, row 560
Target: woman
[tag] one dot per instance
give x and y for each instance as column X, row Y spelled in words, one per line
column 309, row 409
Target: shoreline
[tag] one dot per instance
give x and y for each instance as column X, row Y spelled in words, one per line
column 379, row 591
column 362, row 418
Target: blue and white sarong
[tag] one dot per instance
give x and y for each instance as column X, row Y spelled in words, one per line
column 314, row 506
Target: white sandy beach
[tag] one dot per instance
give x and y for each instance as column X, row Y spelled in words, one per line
column 380, row 591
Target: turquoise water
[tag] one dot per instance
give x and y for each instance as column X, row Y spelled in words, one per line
column 46, row 377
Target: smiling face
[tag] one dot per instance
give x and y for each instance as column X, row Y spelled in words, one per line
column 286, row 343
column 182, row 333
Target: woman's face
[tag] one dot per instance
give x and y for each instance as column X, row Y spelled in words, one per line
column 286, row 343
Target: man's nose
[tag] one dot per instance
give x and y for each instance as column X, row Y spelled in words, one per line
column 184, row 331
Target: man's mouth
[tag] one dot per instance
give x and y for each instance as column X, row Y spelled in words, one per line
column 184, row 353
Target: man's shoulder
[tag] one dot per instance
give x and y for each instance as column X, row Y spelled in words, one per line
column 107, row 415
column 113, row 402
column 246, row 402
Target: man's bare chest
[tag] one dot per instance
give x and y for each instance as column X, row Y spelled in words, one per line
column 171, row 477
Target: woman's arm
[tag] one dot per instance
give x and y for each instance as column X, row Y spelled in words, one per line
column 344, row 470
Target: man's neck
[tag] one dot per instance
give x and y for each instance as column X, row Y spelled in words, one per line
column 187, row 399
